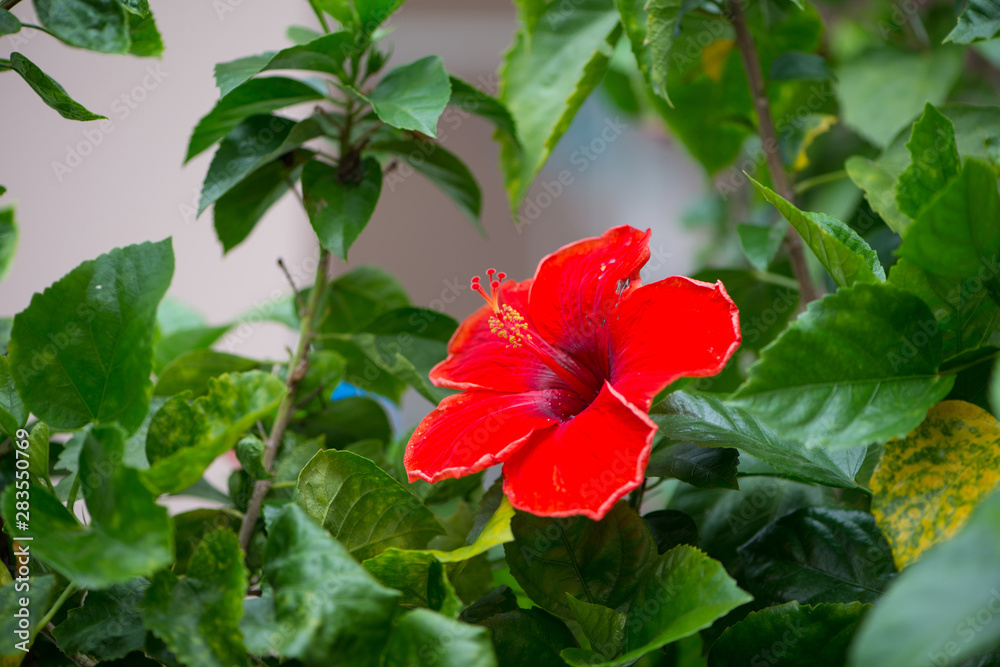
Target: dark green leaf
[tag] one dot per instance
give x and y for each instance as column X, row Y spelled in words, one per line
column 129, row 534
column 934, row 162
column 98, row 25
column 790, row 635
column 349, row 420
column 175, row 343
column 469, row 99
column 798, row 66
column 191, row 371
column 190, row 529
column 764, row 306
column 13, row 414
column 838, row 247
column 423, row 638
column 49, row 90
column 362, row 506
column 671, row 528
column 39, row 592
column 419, row 576
column 109, row 624
column 146, row 39
column 855, row 368
column 250, row 453
column 334, row 611
column 760, row 243
column 979, row 20
column 197, row 615
column 413, row 97
column 8, row 239
column 934, row 610
column 663, row 26
column 603, row 627
column 818, row 555
column 82, row 350
column 600, row 562
column 326, row 370
column 554, row 64
column 339, row 211
column 9, row 24
column 704, row 467
column 255, row 97
column 709, row 421
column 359, row 296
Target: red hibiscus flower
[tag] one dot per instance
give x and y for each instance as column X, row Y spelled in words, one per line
column 560, row 372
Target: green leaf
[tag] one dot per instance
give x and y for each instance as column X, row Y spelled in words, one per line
column 8, row 239
column 190, row 529
column 373, row 13
column 197, row 615
column 338, row 210
column 703, row 467
column 137, row 7
column 49, row 90
column 82, row 350
column 109, row 624
column 413, row 97
column 879, row 186
column 325, row 54
column 838, row 247
column 663, row 26
column 443, row 169
column 707, row 420
column 600, row 562
column 359, row 296
column 927, row 484
column 342, row 10
column 186, row 436
column 362, row 506
column 423, row 638
column 979, row 21
column 934, row 161
column 793, row 635
column 175, row 343
column 256, row 96
column 334, row 611
column 146, row 39
column 818, row 554
column 671, row 528
column 13, row 414
column 98, row 25
column 931, row 609
column 346, row 421
column 603, row 627
column 468, row 99
column 683, row 592
column 419, row 576
column 250, row 453
column 957, row 233
column 238, row 211
column 799, row 66
column 192, row 371
column 881, row 92
column 760, row 243
column 764, row 306
column 552, row 67
column 39, row 592
column 855, row 368
column 38, row 452
column 9, row 24
column 129, row 534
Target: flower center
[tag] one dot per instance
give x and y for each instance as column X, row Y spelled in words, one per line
column 511, row 327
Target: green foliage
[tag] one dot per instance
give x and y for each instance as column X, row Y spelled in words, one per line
column 338, row 210
column 8, row 239
column 37, row 593
column 979, row 20
column 109, row 624
column 427, row 639
column 703, row 467
column 413, row 97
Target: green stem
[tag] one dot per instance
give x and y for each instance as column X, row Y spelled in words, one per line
column 822, row 179
column 67, row 592
column 775, row 279
column 5, row 65
column 319, row 15
column 969, row 364
column 41, row 28
column 73, row 490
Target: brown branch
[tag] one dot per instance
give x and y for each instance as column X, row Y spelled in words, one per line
column 8, row 4
column 808, row 290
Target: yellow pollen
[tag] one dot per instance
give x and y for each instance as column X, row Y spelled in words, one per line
column 509, row 325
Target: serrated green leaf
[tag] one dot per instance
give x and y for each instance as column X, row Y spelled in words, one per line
column 979, row 20
column 255, row 97
column 413, row 96
column 9, row 24
column 600, row 562
column 552, row 67
column 109, row 624
column 98, row 25
column 930, row 611
column 760, row 243
column 703, row 467
column 838, row 247
column 603, row 627
column 818, row 554
column 129, row 535
column 146, row 39
column 186, row 436
column 82, row 350
column 13, row 414
column 362, row 506
column 49, row 90
column 709, row 421
column 934, row 161
column 192, row 370
column 339, row 211
column 333, row 609
column 797, row 636
column 927, row 484
column 879, row 185
column 423, row 638
column 683, row 592
column 662, row 27
column 197, row 615
column 469, row 99
column 855, row 368
column 40, row 593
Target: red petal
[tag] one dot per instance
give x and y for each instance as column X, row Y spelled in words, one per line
column 577, row 286
column 586, row 464
column 469, row 432
column 676, row 327
column 479, row 359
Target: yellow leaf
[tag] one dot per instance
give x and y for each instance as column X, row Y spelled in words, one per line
column 713, row 57
column 815, row 126
column 927, row 484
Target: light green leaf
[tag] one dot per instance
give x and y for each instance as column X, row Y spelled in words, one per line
column 468, row 99
column 423, row 638
column 373, row 13
column 256, row 96
column 855, row 368
column 129, row 534
column 362, row 506
column 879, row 185
column 934, row 162
column 413, row 97
column 339, row 211
column 137, row 7
column 109, row 624
column 761, row 243
column 8, row 239
column 38, row 452
column 419, row 576
column 173, row 344
column 838, row 247
column 186, row 436
column 9, row 24
column 250, row 454
column 548, row 73
column 197, row 615
column 49, row 90
column 707, row 420
column 332, row 608
column 98, row 25
column 82, row 350
column 41, row 591
column 146, row 39
column 929, row 611
column 979, row 21
column 603, row 627
column 192, row 370
column 342, row 10
column 663, row 25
